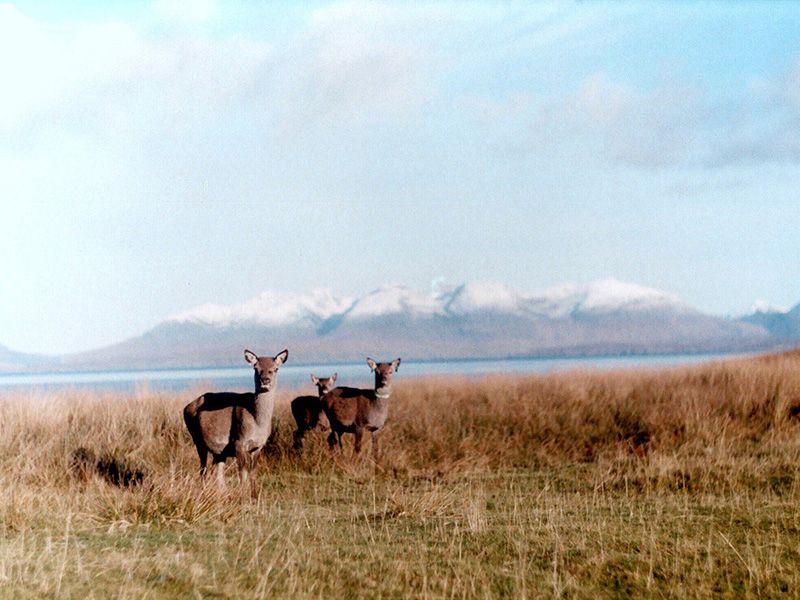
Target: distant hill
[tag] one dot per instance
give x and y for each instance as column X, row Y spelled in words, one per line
column 19, row 361
column 473, row 320
column 782, row 324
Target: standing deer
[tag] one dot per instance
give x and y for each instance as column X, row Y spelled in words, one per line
column 355, row 411
column 307, row 410
column 228, row 424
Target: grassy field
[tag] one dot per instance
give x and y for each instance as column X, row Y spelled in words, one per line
column 669, row 483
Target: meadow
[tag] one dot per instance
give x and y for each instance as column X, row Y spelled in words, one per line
column 679, row 482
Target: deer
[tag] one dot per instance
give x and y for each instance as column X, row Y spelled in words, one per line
column 227, row 424
column 307, row 410
column 356, row 411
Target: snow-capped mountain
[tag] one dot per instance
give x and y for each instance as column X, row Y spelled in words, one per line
column 274, row 309
column 269, row 309
column 470, row 320
column 610, row 295
column 393, row 299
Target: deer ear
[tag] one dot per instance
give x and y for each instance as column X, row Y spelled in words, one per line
column 314, row 379
column 333, row 378
column 396, row 364
column 371, row 364
column 250, row 357
column 281, row 357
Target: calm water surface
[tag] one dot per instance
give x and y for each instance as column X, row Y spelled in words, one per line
column 297, row 376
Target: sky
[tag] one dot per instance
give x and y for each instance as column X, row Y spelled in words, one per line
column 157, row 156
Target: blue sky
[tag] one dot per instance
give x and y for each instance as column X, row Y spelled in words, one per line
column 158, row 156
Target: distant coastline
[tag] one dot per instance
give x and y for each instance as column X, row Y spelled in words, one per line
column 296, row 375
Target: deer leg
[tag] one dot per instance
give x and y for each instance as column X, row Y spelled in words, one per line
column 332, row 440
column 253, row 460
column 219, row 467
column 243, row 459
column 298, row 438
column 359, row 432
column 202, row 453
column 376, row 451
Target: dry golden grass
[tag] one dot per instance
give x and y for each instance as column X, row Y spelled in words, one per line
column 679, row 482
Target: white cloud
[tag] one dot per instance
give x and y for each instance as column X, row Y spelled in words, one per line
column 767, row 128
column 353, row 65
column 634, row 128
column 356, row 69
column 615, row 122
column 108, row 77
column 357, row 64
column 675, row 124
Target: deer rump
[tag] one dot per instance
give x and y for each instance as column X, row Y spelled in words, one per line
column 219, row 420
column 308, row 413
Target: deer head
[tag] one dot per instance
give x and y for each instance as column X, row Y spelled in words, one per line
column 325, row 384
column 266, row 369
column 383, row 372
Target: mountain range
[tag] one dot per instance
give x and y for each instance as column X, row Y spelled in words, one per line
column 472, row 320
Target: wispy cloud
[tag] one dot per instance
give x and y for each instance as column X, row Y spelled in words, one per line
column 676, row 124
column 356, row 63
column 112, row 78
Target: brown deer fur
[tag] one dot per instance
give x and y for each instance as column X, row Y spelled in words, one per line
column 356, row 411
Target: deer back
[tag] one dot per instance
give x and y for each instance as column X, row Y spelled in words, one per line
column 346, row 406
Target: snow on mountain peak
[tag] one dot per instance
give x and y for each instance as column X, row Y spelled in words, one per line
column 393, row 299
column 483, row 295
column 609, row 295
column 269, row 308
column 281, row 309
column 555, row 302
column 764, row 307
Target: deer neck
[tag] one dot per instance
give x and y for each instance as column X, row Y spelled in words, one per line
column 263, row 407
column 382, row 394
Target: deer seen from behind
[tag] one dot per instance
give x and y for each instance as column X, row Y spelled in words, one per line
column 227, row 424
column 307, row 410
column 356, row 411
